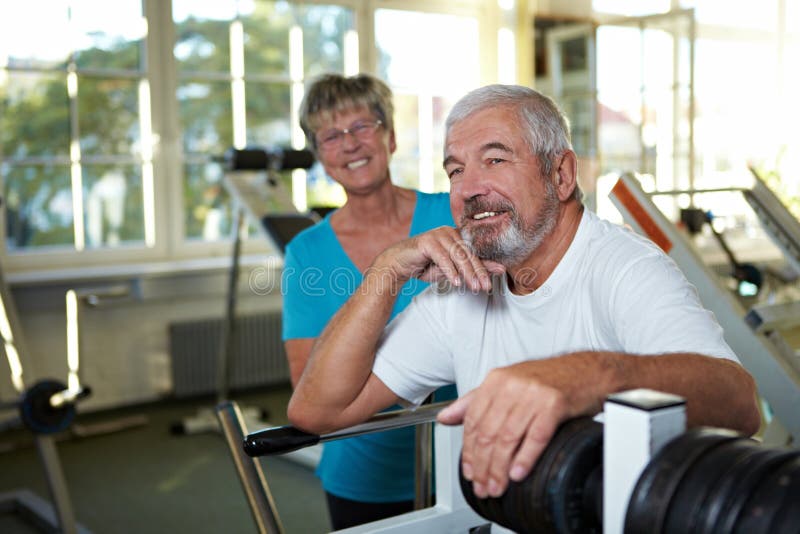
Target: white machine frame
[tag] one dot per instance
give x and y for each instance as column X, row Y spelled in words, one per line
column 776, row 371
column 637, row 424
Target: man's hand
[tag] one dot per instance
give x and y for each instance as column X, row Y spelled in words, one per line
column 434, row 256
column 510, row 418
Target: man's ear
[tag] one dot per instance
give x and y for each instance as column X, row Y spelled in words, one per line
column 566, row 175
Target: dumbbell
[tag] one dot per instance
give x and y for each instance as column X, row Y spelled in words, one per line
column 705, row 481
column 48, row 406
column 713, row 481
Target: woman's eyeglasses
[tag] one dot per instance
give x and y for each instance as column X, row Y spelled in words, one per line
column 362, row 130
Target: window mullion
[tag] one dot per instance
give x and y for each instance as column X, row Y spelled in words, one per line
column 75, row 170
column 166, row 156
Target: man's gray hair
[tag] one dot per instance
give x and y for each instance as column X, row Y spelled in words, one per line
column 546, row 127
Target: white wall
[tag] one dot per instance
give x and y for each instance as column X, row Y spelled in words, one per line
column 124, row 343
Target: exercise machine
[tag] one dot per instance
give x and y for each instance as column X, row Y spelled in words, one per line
column 633, row 469
column 450, row 514
column 257, row 193
column 46, row 408
column 252, row 182
column 754, row 334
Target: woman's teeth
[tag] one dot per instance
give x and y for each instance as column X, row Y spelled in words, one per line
column 356, row 164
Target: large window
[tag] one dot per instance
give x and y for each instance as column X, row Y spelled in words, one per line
column 424, row 92
column 744, row 81
column 241, row 67
column 114, row 115
column 74, row 159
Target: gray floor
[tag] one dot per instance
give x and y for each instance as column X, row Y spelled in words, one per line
column 147, row 480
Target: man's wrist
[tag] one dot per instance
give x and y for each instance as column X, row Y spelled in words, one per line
column 383, row 278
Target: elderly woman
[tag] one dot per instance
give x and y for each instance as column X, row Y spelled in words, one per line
column 348, row 123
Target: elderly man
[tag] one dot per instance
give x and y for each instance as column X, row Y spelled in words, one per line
column 539, row 311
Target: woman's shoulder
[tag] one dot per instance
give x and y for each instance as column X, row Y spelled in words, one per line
column 433, row 198
column 435, row 207
column 312, row 238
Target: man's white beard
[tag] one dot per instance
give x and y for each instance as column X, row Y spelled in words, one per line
column 516, row 242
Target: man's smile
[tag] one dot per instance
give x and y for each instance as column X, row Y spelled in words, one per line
column 485, row 215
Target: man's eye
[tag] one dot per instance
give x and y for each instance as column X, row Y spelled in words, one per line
column 496, row 160
column 454, row 172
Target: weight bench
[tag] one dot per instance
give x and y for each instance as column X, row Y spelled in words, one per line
column 658, row 478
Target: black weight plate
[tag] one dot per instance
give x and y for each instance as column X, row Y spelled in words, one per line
column 513, row 505
column 727, row 499
column 565, row 493
column 489, row 508
column 537, row 517
column 469, row 495
column 787, row 520
column 688, row 504
column 763, row 509
column 651, row 496
column 593, row 496
column 37, row 413
column 494, row 508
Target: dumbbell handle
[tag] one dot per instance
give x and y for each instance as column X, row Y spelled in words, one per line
column 69, row 396
column 283, row 439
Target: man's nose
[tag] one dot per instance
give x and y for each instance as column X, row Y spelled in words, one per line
column 474, row 182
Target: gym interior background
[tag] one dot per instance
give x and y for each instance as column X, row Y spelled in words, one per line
column 117, row 230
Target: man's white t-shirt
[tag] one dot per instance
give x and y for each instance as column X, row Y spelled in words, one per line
column 612, row 291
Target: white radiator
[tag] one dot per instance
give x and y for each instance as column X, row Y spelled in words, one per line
column 257, row 354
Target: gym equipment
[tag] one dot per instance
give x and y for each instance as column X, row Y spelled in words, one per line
column 45, row 408
column 658, row 478
column 251, row 181
column 451, row 512
column 249, row 470
column 754, row 335
column 260, row 194
column 749, row 277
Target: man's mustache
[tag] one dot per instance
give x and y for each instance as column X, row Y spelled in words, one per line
column 474, row 206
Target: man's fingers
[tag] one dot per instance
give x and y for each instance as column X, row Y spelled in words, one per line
column 472, row 464
column 536, row 439
column 506, row 444
column 450, row 255
column 438, row 255
column 442, row 254
column 493, row 267
column 493, row 441
column 482, row 280
column 454, row 414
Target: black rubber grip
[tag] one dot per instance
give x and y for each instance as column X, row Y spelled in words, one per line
column 278, row 440
column 296, row 159
column 260, row 159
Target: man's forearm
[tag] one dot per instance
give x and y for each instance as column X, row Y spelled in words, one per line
column 517, row 408
column 337, row 388
column 341, row 360
column 718, row 392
